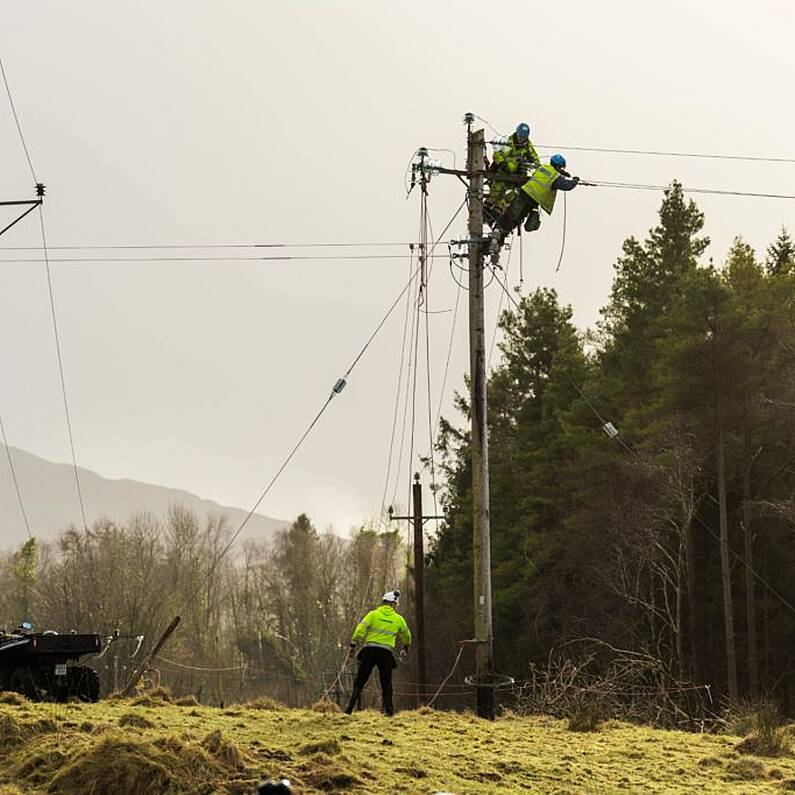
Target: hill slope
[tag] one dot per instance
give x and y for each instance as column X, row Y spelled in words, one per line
column 118, row 746
column 49, row 493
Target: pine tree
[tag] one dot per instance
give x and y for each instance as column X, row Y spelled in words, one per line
column 781, row 254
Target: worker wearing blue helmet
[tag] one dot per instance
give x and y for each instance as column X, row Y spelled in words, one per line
column 517, row 156
column 539, row 191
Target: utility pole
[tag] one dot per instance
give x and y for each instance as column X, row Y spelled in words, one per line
column 419, row 585
column 418, row 521
column 481, row 539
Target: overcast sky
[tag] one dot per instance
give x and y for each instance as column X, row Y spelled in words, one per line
column 239, row 122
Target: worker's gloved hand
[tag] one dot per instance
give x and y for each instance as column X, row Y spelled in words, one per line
column 403, row 655
column 351, row 652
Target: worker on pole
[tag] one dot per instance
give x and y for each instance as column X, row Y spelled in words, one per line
column 517, row 157
column 539, row 191
column 378, row 632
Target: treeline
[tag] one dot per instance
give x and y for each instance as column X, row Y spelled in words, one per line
column 642, row 474
column 264, row 619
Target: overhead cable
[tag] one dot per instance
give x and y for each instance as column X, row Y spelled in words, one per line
column 14, row 477
column 67, row 412
column 715, row 191
column 16, row 120
column 217, row 258
column 659, row 153
column 135, row 246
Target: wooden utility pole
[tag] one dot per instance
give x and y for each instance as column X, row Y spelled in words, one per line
column 419, row 587
column 481, row 540
column 418, row 520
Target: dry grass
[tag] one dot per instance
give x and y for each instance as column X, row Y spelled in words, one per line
column 84, row 748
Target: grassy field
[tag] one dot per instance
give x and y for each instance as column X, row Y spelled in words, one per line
column 150, row 746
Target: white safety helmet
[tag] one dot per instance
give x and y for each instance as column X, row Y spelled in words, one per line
column 391, row 597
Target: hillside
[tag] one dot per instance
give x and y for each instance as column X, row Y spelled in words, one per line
column 49, row 492
column 121, row 746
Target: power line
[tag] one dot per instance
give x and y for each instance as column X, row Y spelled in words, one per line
column 145, row 246
column 67, row 413
column 278, row 258
column 713, row 191
column 14, row 477
column 46, row 260
column 660, row 153
column 16, row 120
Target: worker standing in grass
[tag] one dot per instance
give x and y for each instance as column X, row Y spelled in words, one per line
column 517, row 157
column 379, row 631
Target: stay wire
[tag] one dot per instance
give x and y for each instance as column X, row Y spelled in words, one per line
column 67, row 412
column 16, row 121
column 629, row 449
column 14, row 477
column 319, row 414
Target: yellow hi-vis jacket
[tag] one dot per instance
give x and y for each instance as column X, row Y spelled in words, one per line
column 540, row 187
column 382, row 627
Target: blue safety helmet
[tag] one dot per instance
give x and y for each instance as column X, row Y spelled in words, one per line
column 558, row 161
column 523, row 131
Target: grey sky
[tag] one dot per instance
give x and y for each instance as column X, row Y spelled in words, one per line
column 208, row 122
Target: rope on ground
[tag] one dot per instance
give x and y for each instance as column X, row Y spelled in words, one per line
column 242, row 667
column 337, row 678
column 461, row 645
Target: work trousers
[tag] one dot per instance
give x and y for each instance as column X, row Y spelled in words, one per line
column 520, row 208
column 374, row 657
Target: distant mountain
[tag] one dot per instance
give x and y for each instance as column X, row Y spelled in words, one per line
column 48, row 490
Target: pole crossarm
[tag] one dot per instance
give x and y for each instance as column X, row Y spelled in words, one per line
column 31, row 205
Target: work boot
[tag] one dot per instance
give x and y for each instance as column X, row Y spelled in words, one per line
column 533, row 221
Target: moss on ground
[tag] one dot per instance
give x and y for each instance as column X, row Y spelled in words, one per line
column 99, row 748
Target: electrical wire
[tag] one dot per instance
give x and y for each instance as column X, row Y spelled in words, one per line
column 14, row 477
column 222, row 258
column 711, row 191
column 447, row 363
column 397, row 393
column 499, row 309
column 563, row 241
column 658, row 153
column 16, row 120
column 629, row 449
column 149, row 246
column 335, row 391
column 57, row 336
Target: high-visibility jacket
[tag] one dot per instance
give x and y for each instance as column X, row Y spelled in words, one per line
column 540, row 187
column 515, row 157
column 382, row 627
